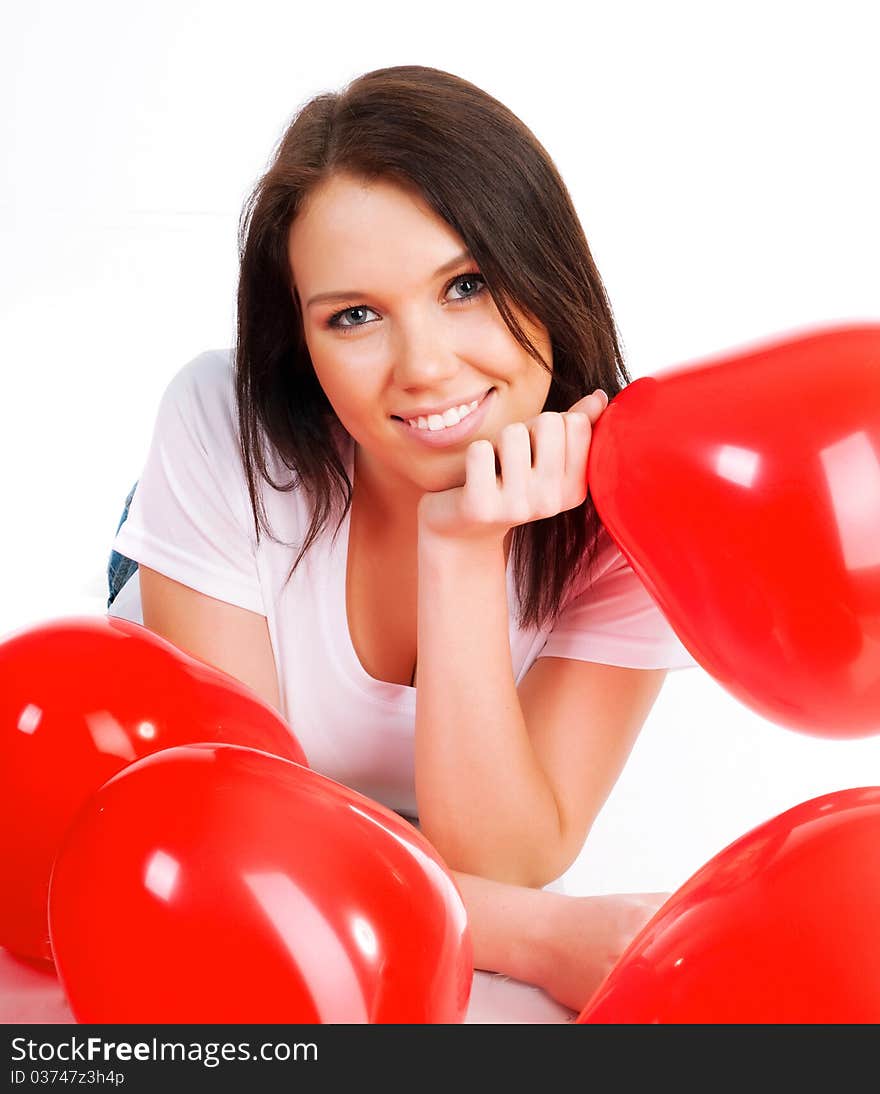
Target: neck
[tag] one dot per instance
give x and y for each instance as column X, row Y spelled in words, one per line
column 391, row 504
column 391, row 500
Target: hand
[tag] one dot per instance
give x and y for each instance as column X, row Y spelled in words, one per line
column 582, row 939
column 543, row 472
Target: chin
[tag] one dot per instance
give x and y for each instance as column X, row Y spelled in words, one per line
column 435, row 485
column 440, row 478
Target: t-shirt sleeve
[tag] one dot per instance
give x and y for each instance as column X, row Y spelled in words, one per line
column 190, row 517
column 615, row 621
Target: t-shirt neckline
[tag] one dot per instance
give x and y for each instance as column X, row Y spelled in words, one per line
column 338, row 560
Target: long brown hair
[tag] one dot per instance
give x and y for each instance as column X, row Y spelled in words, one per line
column 485, row 173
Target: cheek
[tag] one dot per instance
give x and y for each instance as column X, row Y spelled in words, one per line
column 358, row 410
column 351, row 408
column 529, row 397
column 348, row 372
column 534, row 383
column 493, row 346
column 342, row 384
column 521, row 367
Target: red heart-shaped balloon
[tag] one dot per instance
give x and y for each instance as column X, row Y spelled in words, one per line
column 744, row 490
column 782, row 926
column 80, row 698
column 213, row 883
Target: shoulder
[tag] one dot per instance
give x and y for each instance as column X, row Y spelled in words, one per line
column 206, row 381
column 198, row 405
column 205, row 388
column 610, row 616
column 608, row 562
column 610, row 580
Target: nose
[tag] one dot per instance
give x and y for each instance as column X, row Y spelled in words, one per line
column 423, row 358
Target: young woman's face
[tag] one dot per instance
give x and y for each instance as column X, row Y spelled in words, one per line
column 411, row 331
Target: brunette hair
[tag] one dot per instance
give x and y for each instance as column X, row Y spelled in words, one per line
column 484, row 172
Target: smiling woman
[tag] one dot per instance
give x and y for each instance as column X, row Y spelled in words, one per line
column 422, row 349
column 374, row 507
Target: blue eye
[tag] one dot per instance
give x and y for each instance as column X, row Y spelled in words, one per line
column 334, row 322
column 469, row 277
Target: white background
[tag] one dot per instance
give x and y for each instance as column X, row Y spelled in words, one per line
column 723, row 160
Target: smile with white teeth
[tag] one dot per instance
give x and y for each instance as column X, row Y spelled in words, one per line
column 452, row 416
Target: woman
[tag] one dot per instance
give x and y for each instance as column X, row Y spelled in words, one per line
column 374, row 510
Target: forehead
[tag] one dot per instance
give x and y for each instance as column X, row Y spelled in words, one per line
column 353, row 229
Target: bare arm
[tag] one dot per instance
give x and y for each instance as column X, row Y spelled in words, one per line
column 237, row 641
column 525, row 933
column 230, row 638
column 509, row 781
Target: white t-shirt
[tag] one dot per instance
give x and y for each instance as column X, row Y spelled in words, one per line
column 191, row 520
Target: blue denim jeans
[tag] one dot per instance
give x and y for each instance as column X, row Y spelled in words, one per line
column 120, row 568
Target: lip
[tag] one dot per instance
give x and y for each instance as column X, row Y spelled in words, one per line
column 452, row 434
column 427, row 411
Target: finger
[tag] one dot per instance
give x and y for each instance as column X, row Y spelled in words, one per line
column 548, row 448
column 592, row 405
column 577, row 447
column 515, row 457
column 480, row 467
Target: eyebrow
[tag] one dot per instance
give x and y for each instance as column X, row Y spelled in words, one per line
column 347, row 294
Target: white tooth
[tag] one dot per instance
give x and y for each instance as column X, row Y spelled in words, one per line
column 449, row 417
